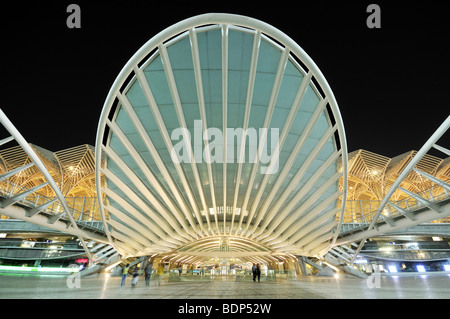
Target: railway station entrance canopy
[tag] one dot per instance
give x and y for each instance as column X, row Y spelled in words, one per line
column 221, row 138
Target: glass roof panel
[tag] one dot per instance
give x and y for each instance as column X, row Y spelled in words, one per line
column 175, row 89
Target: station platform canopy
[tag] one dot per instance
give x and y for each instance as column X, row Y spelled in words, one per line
column 221, row 138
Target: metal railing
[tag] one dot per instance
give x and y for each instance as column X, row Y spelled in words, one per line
column 360, row 213
column 84, row 210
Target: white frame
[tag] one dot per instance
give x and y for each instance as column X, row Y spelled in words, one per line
column 229, row 20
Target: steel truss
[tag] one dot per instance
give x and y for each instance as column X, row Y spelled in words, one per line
column 37, row 162
column 405, row 217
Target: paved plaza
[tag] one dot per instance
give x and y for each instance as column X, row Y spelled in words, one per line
column 106, row 287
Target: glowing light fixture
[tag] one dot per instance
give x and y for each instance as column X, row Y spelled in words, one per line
column 421, row 268
column 39, row 269
column 392, row 268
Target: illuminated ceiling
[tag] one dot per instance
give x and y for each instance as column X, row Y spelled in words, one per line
column 72, row 169
column 371, row 175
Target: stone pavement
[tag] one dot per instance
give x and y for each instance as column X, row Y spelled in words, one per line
column 106, row 287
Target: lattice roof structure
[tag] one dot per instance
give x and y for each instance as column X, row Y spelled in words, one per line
column 371, row 175
column 73, row 169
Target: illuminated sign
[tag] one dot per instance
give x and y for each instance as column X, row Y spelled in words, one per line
column 81, row 260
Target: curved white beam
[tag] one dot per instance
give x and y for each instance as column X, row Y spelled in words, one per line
column 9, row 126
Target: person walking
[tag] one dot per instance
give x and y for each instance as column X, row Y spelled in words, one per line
column 258, row 273
column 254, row 271
column 148, row 273
column 135, row 276
column 124, row 275
column 159, row 274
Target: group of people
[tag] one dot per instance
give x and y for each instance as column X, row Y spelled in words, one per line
column 147, row 274
column 256, row 270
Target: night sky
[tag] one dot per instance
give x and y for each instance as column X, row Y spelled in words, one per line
column 391, row 83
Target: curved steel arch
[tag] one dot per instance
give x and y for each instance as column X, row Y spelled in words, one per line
column 36, row 160
column 225, row 71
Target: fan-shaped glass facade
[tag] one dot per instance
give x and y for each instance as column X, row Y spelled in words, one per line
column 221, row 137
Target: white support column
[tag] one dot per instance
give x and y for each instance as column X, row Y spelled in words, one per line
column 200, row 94
column 188, row 212
column 167, row 140
column 290, row 161
column 181, row 119
column 224, row 119
column 442, row 149
column 286, row 128
column 262, row 140
column 248, row 105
